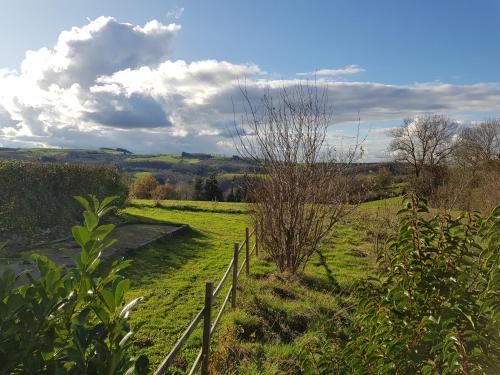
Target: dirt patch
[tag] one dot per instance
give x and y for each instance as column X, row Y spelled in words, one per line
column 128, row 236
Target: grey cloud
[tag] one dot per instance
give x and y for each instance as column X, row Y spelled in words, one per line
column 6, row 120
column 119, row 111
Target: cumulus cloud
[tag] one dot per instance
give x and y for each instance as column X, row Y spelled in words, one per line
column 346, row 70
column 112, row 84
column 102, row 47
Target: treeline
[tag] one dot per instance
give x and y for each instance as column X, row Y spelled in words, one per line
column 202, row 189
column 372, row 185
column 453, row 167
column 209, row 189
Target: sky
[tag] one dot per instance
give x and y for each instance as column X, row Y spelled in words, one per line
column 164, row 76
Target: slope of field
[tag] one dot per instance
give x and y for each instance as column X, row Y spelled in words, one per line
column 170, row 274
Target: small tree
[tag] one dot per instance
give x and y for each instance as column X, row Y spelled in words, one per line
column 231, row 196
column 212, row 190
column 479, row 144
column 198, row 193
column 424, row 141
column 165, row 191
column 144, row 186
column 301, row 194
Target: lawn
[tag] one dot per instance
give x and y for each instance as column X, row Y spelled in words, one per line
column 170, row 274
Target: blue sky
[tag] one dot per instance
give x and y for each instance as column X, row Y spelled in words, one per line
column 445, row 51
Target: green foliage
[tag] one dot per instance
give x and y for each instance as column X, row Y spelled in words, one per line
column 198, row 193
column 74, row 322
column 435, row 307
column 207, row 189
column 212, row 190
column 37, row 196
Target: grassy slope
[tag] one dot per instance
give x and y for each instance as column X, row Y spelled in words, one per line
column 282, row 322
column 170, row 274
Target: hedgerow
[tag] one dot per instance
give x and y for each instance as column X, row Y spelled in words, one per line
column 37, row 196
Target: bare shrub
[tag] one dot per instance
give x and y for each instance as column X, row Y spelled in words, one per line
column 162, row 192
column 143, row 187
column 302, row 193
column 479, row 144
column 472, row 182
column 469, row 188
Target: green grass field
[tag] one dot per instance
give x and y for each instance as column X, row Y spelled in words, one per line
column 170, row 273
column 141, row 174
column 173, row 159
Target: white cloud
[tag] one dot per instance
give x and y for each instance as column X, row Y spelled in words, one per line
column 346, row 70
column 175, row 13
column 101, row 47
column 112, row 84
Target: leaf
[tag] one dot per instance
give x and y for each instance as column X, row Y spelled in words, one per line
column 106, row 201
column 121, row 288
column 80, row 234
column 129, row 306
column 101, row 232
column 95, row 201
column 125, row 338
column 83, row 202
column 102, row 314
column 91, row 220
column 109, row 300
column 103, row 212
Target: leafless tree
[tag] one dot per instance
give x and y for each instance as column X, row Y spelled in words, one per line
column 473, row 181
column 303, row 190
column 424, row 141
column 479, row 144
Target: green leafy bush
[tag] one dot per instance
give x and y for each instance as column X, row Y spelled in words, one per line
column 37, row 196
column 435, row 307
column 74, row 322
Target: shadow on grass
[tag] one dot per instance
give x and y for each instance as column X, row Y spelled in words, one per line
column 190, row 208
column 319, row 283
column 166, row 255
column 137, row 219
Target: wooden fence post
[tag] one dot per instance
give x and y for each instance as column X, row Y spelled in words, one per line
column 235, row 275
column 205, row 351
column 247, row 251
column 256, row 231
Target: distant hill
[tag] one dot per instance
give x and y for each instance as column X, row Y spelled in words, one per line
column 170, row 167
column 166, row 167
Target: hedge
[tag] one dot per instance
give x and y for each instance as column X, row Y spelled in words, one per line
column 39, row 196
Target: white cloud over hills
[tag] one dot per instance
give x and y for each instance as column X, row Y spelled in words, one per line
column 112, row 84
